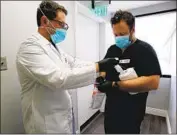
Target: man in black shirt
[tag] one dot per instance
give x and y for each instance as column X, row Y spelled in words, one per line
column 126, row 100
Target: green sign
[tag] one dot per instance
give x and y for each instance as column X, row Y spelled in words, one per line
column 100, row 10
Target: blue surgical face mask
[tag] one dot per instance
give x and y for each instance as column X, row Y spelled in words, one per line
column 123, row 41
column 58, row 36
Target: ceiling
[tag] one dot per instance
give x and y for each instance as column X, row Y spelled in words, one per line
column 124, row 5
column 127, row 5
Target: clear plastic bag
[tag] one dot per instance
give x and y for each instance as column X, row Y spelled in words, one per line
column 97, row 99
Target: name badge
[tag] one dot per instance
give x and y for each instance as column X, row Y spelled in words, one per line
column 125, row 61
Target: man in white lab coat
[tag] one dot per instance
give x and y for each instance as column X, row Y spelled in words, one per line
column 46, row 73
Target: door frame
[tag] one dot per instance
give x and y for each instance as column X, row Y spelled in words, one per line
column 81, row 9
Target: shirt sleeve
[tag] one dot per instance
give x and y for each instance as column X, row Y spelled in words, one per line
column 111, row 74
column 78, row 63
column 148, row 63
column 33, row 61
column 107, row 54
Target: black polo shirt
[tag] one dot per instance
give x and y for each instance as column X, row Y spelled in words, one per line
column 121, row 107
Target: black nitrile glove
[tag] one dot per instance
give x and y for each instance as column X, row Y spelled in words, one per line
column 100, row 80
column 107, row 63
column 112, row 75
column 105, row 86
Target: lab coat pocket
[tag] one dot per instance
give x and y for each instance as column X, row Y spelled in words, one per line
column 57, row 123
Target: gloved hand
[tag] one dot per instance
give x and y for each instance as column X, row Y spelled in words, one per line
column 107, row 63
column 104, row 86
column 112, row 75
column 100, row 80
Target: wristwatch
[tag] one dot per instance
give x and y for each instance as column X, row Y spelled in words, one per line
column 115, row 85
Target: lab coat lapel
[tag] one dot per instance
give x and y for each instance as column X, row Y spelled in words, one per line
column 54, row 54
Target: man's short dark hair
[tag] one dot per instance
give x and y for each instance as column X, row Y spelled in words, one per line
column 123, row 16
column 49, row 8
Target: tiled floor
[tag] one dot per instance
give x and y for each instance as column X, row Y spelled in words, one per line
column 151, row 125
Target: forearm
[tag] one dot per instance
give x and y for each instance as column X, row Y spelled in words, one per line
column 80, row 63
column 97, row 67
column 140, row 84
column 103, row 74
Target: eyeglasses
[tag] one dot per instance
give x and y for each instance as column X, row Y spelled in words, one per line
column 62, row 24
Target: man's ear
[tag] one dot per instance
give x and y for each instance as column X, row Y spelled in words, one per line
column 44, row 21
column 133, row 29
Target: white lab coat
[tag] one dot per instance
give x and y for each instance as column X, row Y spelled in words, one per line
column 46, row 76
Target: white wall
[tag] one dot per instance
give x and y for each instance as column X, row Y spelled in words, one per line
column 172, row 105
column 159, row 99
column 110, row 39
column 18, row 21
column 102, row 36
column 87, row 48
column 172, row 99
column 149, row 29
